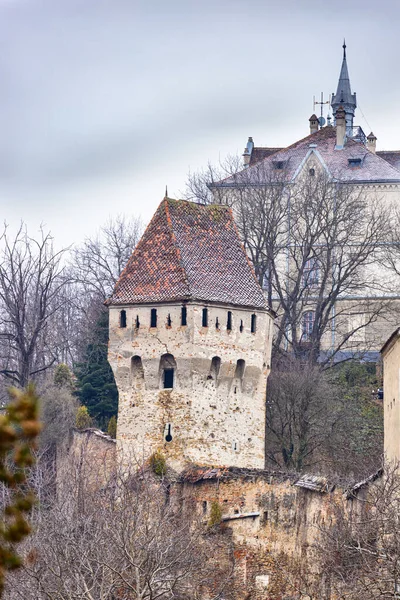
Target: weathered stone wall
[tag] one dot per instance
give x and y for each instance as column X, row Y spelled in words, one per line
column 214, row 418
column 391, row 388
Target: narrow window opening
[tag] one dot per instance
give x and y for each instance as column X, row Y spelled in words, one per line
column 183, row 316
column 216, row 323
column 253, row 323
column 204, row 507
column 153, row 317
column 312, row 172
column 168, row 378
column 215, row 367
column 240, row 366
column 241, row 326
column 137, row 322
column 122, row 318
column 234, row 389
column 168, row 432
column 169, row 322
column 167, row 371
column 235, row 446
column 205, row 317
column 229, row 321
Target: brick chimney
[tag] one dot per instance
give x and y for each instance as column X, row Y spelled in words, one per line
column 314, row 123
column 340, row 118
column 371, row 143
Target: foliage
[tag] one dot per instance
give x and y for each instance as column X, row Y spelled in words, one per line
column 63, row 376
column 83, row 419
column 58, row 408
column 158, row 464
column 19, row 429
column 96, row 388
column 215, row 514
column 112, row 427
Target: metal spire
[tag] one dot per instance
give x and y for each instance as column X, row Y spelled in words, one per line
column 343, row 96
column 344, row 48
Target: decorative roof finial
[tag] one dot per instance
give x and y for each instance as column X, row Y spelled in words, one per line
column 344, row 48
column 166, row 191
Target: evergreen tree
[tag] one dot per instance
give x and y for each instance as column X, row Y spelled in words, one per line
column 96, row 387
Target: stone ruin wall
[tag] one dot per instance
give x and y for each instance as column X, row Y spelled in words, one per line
column 266, row 517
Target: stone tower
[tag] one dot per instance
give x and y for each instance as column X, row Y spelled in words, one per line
column 190, row 342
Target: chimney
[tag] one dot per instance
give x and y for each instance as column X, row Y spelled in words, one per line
column 314, row 123
column 371, row 143
column 340, row 118
column 248, row 152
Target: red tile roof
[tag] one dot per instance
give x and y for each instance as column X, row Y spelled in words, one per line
column 189, row 252
column 261, row 152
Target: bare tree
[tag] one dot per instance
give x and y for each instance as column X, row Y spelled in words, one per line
column 32, row 278
column 315, row 244
column 128, row 540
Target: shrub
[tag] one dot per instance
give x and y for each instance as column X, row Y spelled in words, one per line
column 112, row 427
column 83, row 419
column 215, row 514
column 158, row 464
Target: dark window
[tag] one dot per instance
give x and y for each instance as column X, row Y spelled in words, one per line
column 240, row 366
column 215, row 367
column 137, row 322
column 229, row 321
column 307, row 325
column 312, row 172
column 355, row 162
column 169, row 322
column 205, row 317
column 241, row 326
column 153, row 317
column 279, row 164
column 183, row 315
column 122, row 318
column 204, row 507
column 167, row 369
column 216, row 323
column 168, row 378
column 253, row 323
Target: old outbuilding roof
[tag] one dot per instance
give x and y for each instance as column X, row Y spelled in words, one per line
column 189, row 252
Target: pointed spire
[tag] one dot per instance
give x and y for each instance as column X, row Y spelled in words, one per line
column 343, row 94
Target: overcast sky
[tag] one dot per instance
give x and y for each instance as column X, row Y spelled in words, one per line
column 103, row 103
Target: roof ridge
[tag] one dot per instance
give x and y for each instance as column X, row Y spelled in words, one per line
column 175, row 243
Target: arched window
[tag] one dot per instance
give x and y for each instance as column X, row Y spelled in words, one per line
column 137, row 372
column 167, row 371
column 122, row 318
column 307, row 325
column 153, row 317
column 215, row 367
column 253, row 323
column 240, row 367
column 229, row 321
column 183, row 316
column 205, row 317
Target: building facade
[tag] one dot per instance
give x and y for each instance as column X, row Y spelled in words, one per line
column 190, row 343
column 341, row 155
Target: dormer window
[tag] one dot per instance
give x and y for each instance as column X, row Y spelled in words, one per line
column 355, row 162
column 279, row 164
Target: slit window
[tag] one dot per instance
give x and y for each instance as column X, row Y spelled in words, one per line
column 216, row 323
column 253, row 323
column 169, row 322
column 229, row 321
column 183, row 316
column 153, row 317
column 168, row 378
column 241, row 326
column 205, row 317
column 122, row 318
column 137, row 322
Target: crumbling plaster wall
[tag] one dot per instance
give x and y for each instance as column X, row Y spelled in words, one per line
column 214, row 420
